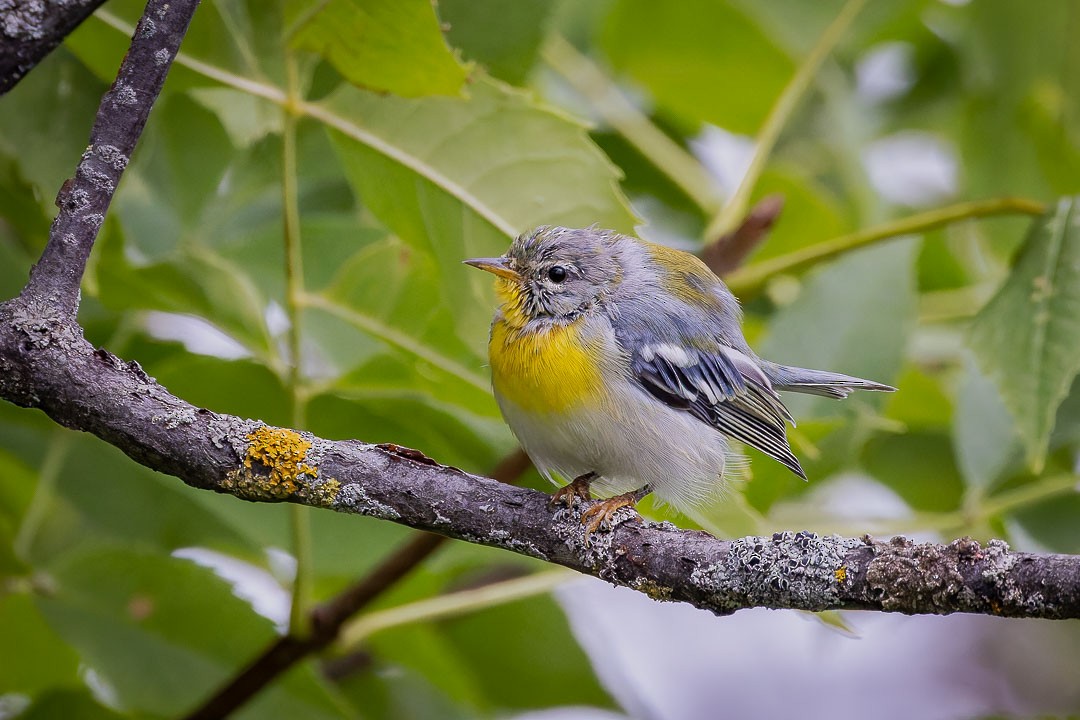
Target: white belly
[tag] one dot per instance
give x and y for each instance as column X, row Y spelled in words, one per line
column 630, row 440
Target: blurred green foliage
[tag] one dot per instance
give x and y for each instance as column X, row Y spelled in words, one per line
column 421, row 139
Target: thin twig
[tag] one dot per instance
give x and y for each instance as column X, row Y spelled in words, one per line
column 734, row 209
column 750, row 279
column 730, row 251
column 604, row 97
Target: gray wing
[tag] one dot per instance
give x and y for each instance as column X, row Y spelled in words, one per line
column 724, row 388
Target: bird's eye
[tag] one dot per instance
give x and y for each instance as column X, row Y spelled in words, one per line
column 557, row 273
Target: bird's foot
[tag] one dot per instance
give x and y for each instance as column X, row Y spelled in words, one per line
column 602, row 513
column 578, row 489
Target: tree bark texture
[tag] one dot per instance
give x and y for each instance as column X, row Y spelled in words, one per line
column 46, row 363
column 31, row 29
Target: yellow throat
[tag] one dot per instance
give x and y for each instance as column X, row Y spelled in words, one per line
column 547, row 368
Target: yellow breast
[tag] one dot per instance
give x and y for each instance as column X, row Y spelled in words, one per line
column 547, row 371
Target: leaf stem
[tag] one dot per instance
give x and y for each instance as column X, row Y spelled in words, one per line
column 668, row 156
column 394, row 337
column 750, row 279
column 1029, row 494
column 56, row 454
column 453, row 604
column 327, row 117
column 300, row 519
column 731, row 214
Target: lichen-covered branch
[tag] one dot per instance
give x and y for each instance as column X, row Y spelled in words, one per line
column 31, row 29
column 46, row 363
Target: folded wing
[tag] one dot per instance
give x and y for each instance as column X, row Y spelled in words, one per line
column 722, row 387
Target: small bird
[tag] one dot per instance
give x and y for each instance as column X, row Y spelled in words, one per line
column 621, row 364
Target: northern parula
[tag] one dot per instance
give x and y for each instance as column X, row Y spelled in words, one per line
column 621, row 363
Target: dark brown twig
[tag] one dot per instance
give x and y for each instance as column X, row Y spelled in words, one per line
column 327, row 620
column 729, row 251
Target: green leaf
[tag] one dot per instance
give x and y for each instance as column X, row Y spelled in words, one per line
column 404, row 417
column 984, row 435
column 923, row 405
column 391, row 691
column 384, row 45
column 33, row 657
column 68, row 703
column 18, row 482
column 1020, row 132
column 194, row 281
column 101, row 496
column 498, row 160
column 460, row 178
column 24, row 225
column 1026, row 338
column 46, row 121
column 852, row 317
column 919, row 467
column 163, row 633
column 241, row 37
column 246, row 118
column 407, row 374
column 422, row 648
column 1052, row 523
column 391, row 293
column 503, row 35
column 237, row 387
column 492, row 644
column 703, row 60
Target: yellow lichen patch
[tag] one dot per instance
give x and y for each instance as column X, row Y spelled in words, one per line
column 281, row 452
column 651, row 588
column 840, row 574
column 274, row 469
column 323, row 494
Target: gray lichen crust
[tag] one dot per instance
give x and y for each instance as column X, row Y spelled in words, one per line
column 797, row 570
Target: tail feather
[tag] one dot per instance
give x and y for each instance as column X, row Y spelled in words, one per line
column 818, row 382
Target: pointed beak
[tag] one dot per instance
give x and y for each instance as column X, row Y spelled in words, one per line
column 496, row 265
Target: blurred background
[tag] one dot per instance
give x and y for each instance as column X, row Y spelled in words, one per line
column 286, row 246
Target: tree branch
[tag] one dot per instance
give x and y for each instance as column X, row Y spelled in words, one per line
column 46, row 363
column 31, row 30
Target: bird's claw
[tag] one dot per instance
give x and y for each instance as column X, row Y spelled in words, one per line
column 602, row 513
column 577, row 490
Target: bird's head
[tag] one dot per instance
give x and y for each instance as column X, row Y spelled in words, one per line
column 554, row 273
